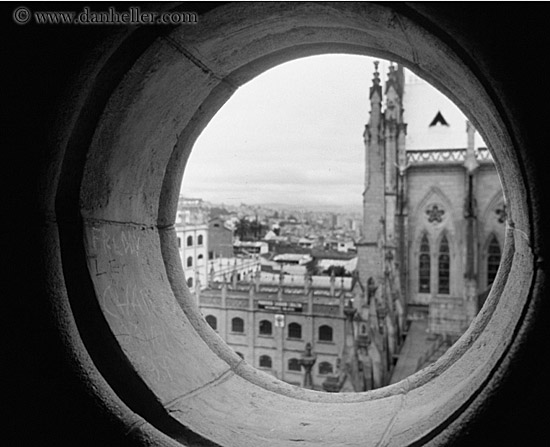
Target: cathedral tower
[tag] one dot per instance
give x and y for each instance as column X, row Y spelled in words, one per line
column 384, row 139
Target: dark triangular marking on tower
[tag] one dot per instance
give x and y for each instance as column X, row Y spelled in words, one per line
column 439, row 120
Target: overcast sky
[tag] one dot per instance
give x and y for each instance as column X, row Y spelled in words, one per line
column 293, row 135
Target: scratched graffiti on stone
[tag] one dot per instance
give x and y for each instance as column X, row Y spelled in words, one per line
column 132, row 300
column 112, row 266
column 149, row 325
column 117, row 242
column 154, row 362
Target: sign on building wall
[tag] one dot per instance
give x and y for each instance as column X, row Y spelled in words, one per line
column 280, row 306
column 279, row 320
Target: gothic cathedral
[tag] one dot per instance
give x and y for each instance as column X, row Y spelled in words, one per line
column 434, row 217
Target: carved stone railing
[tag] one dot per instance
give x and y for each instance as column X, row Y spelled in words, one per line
column 445, row 156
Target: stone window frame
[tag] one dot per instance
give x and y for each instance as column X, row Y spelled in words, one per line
column 424, row 240
column 323, row 334
column 444, row 251
column 265, row 361
column 293, row 364
column 510, row 299
column 237, row 325
column 294, row 331
column 263, row 330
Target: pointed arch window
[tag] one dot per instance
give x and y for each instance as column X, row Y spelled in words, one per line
column 424, row 266
column 493, row 259
column 443, row 267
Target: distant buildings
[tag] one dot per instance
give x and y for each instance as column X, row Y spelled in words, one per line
column 268, row 325
column 220, row 239
column 192, row 236
column 398, row 297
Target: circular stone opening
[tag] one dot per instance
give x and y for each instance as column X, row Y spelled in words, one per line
column 125, row 285
column 285, row 158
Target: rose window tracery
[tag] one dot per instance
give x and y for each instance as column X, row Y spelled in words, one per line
column 435, row 214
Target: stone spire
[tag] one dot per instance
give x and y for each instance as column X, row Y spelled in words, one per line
column 370, row 262
column 376, row 88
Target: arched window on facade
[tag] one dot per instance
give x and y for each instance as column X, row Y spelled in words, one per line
column 443, row 266
column 189, row 241
column 325, row 333
column 493, row 259
column 199, row 239
column 189, row 261
column 294, row 330
column 200, row 259
column 294, row 365
column 325, row 368
column 212, row 321
column 189, row 282
column 266, row 327
column 237, row 325
column 265, row 361
column 424, row 266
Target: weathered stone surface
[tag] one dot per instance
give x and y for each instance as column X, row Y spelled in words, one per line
column 252, row 416
column 495, row 368
column 132, row 289
column 125, row 171
column 137, row 133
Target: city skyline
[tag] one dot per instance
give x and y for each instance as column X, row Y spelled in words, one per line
column 292, row 137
